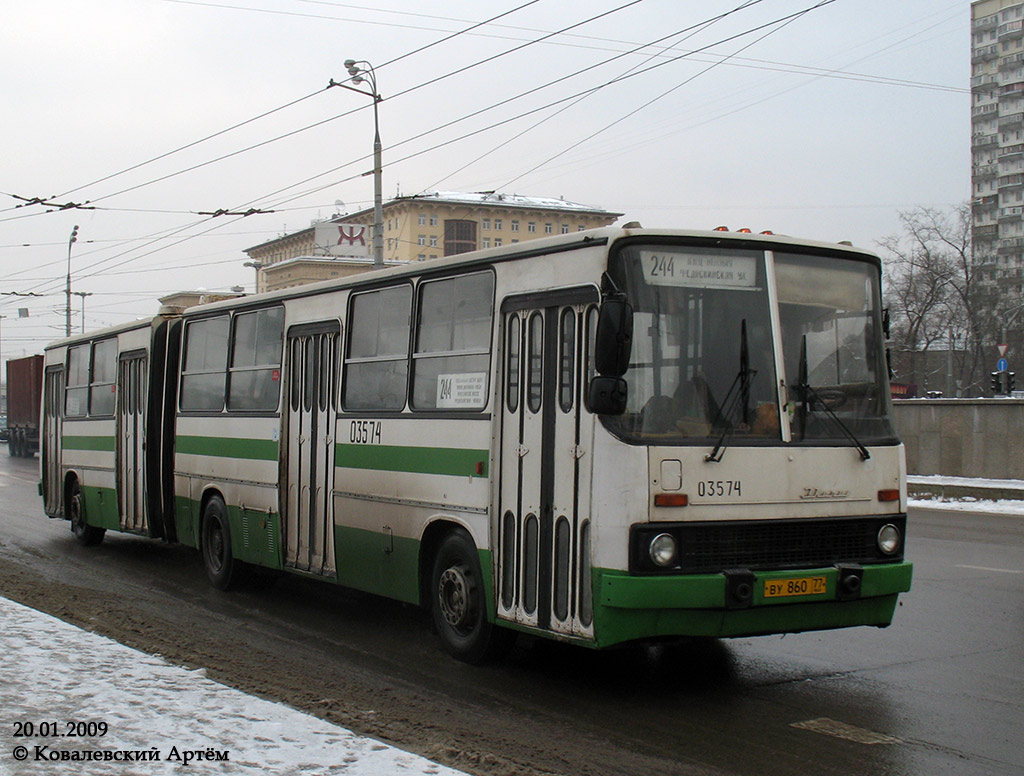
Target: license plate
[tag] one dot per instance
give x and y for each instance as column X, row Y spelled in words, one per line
column 797, row 586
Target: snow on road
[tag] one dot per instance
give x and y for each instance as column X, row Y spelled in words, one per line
column 56, row 679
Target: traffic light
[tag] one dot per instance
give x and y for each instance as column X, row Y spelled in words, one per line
column 1009, row 381
column 996, row 382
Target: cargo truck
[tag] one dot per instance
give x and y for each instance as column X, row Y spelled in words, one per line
column 24, row 391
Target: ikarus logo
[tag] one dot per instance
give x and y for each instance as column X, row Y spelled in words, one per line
column 817, row 493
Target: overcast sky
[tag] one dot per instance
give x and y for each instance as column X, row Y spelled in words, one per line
column 822, row 125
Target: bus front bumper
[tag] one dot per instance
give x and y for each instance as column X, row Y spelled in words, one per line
column 643, row 607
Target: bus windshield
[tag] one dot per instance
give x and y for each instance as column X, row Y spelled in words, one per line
column 834, row 352
column 703, row 365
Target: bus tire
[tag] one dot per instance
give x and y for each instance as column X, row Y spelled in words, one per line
column 215, row 545
column 458, row 606
column 87, row 535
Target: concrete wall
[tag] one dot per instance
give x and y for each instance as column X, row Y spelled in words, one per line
column 963, row 437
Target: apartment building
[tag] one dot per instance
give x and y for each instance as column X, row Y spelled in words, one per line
column 997, row 142
column 417, row 228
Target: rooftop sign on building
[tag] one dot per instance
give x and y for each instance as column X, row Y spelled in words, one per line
column 334, row 239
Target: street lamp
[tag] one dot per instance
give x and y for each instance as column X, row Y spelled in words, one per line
column 361, row 70
column 67, row 287
column 256, row 265
column 83, row 294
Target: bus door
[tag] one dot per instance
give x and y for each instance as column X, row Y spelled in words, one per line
column 308, row 448
column 546, row 452
column 51, row 451
column 131, row 437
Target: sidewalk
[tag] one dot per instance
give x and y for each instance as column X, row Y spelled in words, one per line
column 78, row 703
column 938, row 486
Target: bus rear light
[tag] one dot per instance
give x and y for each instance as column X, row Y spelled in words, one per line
column 889, row 495
column 671, row 500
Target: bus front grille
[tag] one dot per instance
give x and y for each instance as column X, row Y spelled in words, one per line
column 708, row 548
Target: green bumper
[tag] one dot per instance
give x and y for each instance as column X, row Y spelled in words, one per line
column 630, row 607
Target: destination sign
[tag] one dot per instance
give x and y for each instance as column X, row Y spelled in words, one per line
column 699, row 270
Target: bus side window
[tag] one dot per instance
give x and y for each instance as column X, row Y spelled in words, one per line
column 256, row 360
column 377, row 362
column 453, row 339
column 102, row 397
column 205, row 368
column 76, row 397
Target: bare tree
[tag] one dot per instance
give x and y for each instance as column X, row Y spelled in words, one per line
column 936, row 300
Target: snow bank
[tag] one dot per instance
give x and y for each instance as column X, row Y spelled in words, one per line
column 56, row 679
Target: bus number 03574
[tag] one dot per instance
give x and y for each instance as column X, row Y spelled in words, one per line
column 706, row 488
column 364, row 432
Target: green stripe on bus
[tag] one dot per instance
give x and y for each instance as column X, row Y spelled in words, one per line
column 104, row 444
column 221, row 447
column 418, row 460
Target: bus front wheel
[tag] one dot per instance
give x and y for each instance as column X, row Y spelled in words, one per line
column 458, row 605
column 221, row 567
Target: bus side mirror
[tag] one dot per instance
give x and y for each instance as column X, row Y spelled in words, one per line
column 607, row 395
column 614, row 338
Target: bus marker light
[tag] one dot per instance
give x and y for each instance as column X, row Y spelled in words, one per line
column 889, row 495
column 671, row 500
column 744, row 230
column 721, row 228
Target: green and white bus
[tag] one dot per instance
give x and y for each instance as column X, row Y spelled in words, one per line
column 600, row 437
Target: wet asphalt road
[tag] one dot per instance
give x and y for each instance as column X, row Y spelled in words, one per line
column 939, row 692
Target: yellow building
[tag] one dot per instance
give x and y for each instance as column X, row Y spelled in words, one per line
column 417, row 228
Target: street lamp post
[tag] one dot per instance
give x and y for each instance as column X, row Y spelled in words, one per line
column 361, row 70
column 67, row 287
column 256, row 265
column 83, row 295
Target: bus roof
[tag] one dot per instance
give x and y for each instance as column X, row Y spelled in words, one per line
column 554, row 244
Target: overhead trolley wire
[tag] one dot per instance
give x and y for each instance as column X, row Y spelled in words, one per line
column 782, row 24
column 411, row 89
column 689, row 32
column 589, row 90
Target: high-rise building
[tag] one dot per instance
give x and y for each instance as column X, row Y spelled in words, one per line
column 997, row 142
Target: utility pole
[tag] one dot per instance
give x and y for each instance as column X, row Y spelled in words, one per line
column 67, row 287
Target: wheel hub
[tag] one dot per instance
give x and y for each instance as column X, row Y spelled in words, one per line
column 455, row 595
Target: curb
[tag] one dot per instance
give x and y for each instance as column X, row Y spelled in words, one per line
column 945, row 491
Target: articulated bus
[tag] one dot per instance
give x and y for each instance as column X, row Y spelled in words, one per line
column 603, row 437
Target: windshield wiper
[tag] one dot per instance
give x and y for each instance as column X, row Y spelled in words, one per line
column 741, row 400
column 807, row 394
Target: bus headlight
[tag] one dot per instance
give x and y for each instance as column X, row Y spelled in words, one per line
column 889, row 539
column 663, row 550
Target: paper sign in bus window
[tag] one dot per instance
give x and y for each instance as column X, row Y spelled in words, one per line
column 462, row 391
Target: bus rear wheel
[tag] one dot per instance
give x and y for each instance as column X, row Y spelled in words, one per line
column 221, row 567
column 87, row 535
column 458, row 605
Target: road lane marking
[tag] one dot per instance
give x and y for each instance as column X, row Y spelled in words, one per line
column 986, row 568
column 831, row 727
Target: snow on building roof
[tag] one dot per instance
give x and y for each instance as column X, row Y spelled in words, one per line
column 510, row 200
